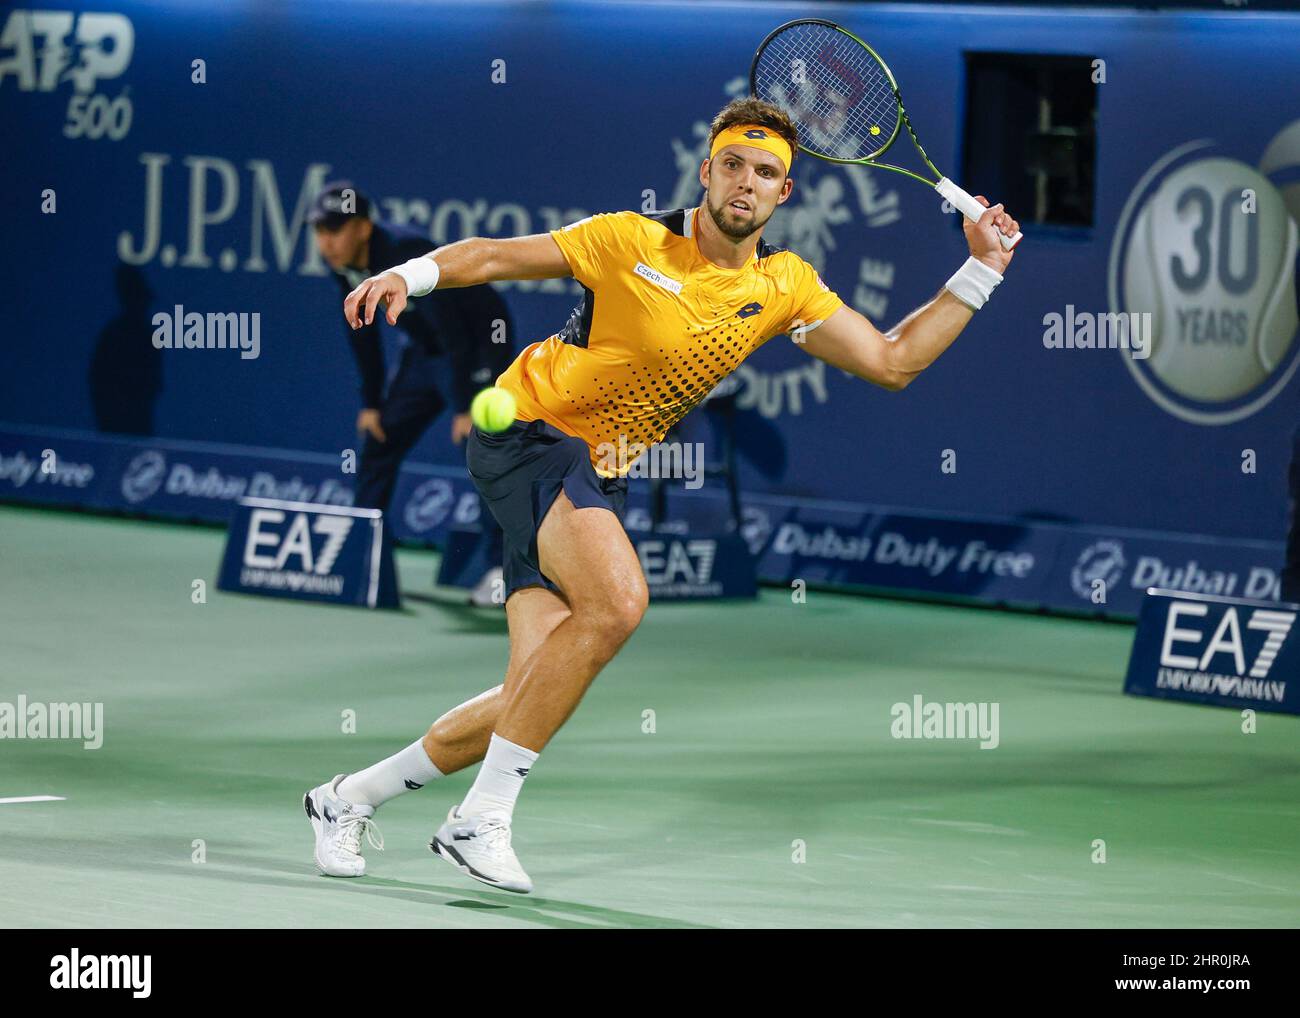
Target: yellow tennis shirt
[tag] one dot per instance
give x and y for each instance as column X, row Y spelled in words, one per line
column 659, row 326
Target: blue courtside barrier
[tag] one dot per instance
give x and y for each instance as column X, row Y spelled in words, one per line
column 1054, row 566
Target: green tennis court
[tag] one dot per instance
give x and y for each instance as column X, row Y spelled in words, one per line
column 770, row 793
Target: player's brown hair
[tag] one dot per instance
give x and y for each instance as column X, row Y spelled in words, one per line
column 751, row 110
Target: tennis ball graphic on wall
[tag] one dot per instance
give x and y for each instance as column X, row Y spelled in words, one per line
column 1281, row 163
column 1217, row 273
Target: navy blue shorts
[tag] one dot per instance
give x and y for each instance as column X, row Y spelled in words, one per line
column 519, row 472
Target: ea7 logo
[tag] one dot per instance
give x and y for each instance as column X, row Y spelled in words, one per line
column 1226, row 639
column 35, row 48
column 665, row 562
column 264, row 532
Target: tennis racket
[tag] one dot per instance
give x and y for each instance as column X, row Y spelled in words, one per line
column 844, row 102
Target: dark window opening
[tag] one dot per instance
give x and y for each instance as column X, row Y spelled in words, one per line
column 1031, row 135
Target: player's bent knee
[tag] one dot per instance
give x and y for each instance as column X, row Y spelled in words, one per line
column 630, row 611
column 622, row 612
column 613, row 615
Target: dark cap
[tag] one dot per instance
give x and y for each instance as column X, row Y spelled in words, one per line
column 338, row 201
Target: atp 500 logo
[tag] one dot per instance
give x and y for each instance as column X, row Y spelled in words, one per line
column 1206, row 245
column 40, row 50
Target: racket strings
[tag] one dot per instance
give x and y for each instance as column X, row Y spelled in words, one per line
column 841, row 98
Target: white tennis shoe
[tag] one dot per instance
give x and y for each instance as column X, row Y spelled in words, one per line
column 480, row 848
column 339, row 825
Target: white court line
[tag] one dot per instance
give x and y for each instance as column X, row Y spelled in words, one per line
column 34, row 798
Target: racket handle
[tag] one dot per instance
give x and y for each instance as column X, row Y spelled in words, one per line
column 972, row 209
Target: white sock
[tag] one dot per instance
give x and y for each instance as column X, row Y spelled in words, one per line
column 402, row 772
column 499, row 780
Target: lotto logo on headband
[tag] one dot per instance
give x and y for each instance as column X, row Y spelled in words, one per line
column 756, row 136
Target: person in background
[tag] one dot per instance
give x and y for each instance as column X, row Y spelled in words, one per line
column 469, row 325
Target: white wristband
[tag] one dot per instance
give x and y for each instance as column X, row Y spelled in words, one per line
column 973, row 283
column 421, row 275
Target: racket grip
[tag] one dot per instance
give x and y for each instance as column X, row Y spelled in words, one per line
column 972, row 209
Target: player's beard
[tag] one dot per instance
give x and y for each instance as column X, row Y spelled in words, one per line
column 734, row 230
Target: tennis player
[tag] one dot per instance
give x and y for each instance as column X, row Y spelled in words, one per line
column 672, row 302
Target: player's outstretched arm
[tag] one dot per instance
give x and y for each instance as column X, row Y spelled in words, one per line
column 848, row 341
column 467, row 262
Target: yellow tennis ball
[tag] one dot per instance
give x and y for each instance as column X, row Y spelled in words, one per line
column 493, row 410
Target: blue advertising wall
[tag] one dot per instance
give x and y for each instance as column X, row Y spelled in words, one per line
column 194, row 195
